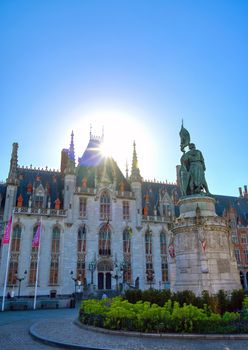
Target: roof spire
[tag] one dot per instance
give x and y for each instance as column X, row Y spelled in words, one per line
column 71, row 152
column 135, row 173
column 127, row 170
column 12, row 178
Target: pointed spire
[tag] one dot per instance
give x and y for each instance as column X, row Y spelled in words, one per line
column 12, row 178
column 71, row 152
column 135, row 173
column 127, row 170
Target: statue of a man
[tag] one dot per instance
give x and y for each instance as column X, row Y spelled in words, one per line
column 192, row 170
column 196, row 168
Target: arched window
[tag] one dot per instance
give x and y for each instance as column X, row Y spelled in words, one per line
column 14, row 256
column 163, row 254
column 54, row 266
column 127, row 271
column 81, row 251
column 104, row 243
column 148, row 254
column 105, row 203
column 33, row 260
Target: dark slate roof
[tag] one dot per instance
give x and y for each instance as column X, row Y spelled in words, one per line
column 107, row 165
column 153, row 189
column 92, row 155
column 238, row 203
column 50, row 180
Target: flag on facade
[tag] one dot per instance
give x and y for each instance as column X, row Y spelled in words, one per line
column 36, row 239
column 6, row 236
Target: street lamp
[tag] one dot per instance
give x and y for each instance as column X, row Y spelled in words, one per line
column 117, row 273
column 20, row 279
column 92, row 267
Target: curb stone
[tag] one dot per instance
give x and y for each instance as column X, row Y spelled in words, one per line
column 164, row 335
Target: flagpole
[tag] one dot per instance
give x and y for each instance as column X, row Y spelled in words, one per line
column 7, row 266
column 37, row 269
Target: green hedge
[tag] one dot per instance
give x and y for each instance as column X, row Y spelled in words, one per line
column 119, row 314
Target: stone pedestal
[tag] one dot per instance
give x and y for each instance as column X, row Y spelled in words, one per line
column 203, row 249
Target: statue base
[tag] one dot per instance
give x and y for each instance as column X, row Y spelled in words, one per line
column 204, row 253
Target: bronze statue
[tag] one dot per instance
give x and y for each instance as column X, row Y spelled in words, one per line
column 192, row 170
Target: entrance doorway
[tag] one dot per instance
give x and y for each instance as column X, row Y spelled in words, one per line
column 104, row 268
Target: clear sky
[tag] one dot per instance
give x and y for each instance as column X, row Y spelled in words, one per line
column 135, row 66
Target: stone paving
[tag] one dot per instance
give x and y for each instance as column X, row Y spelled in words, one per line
column 58, row 326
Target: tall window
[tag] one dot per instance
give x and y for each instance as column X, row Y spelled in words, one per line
column 246, row 255
column 105, row 206
column 14, row 256
column 54, row 266
column 148, row 253
column 148, row 242
column 82, row 207
column 163, row 253
column 243, row 238
column 81, row 251
column 105, row 240
column 38, row 201
column 33, row 261
column 127, row 270
column 237, row 255
column 125, row 209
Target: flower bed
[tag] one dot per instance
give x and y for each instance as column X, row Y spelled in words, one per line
column 119, row 314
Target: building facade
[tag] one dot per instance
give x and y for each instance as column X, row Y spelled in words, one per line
column 98, row 227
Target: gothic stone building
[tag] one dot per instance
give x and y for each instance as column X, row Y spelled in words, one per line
column 98, row 227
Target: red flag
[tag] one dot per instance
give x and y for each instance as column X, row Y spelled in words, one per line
column 36, row 239
column 172, row 250
column 6, row 236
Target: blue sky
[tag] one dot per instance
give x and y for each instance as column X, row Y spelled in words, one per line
column 136, row 67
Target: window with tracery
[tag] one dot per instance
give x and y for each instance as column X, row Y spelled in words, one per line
column 14, row 254
column 127, row 269
column 148, row 255
column 54, row 266
column 163, row 254
column 81, row 251
column 82, row 207
column 105, row 206
column 125, row 209
column 33, row 260
column 104, row 242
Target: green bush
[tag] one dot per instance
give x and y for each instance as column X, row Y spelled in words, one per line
column 142, row 316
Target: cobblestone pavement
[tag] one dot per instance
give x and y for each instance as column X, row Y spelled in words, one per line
column 58, row 325
column 15, row 325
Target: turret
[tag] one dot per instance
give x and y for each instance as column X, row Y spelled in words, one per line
column 136, row 181
column 12, row 183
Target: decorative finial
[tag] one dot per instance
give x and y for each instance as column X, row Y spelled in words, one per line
column 127, row 170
